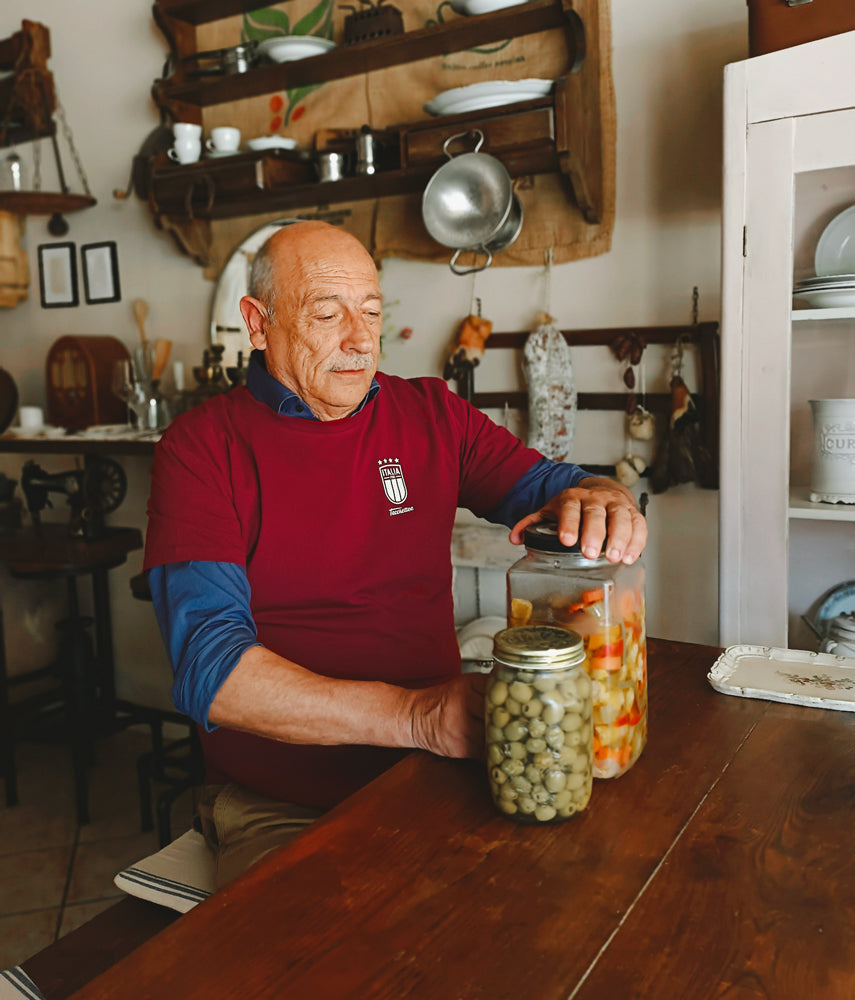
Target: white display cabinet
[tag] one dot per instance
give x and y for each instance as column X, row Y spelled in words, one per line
column 789, row 169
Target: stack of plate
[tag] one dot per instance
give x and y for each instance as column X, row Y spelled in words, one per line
column 834, row 261
column 825, row 292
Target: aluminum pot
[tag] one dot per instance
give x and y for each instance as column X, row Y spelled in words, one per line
column 469, row 205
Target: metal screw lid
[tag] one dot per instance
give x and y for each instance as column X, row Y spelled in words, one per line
column 542, row 536
column 540, row 647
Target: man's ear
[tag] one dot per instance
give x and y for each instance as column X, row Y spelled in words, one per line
column 254, row 316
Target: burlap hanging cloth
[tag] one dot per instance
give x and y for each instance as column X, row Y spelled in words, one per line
column 393, row 226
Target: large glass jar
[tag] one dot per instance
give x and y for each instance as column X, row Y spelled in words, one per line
column 538, row 725
column 602, row 602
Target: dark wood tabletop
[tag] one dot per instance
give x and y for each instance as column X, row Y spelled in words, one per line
column 722, row 865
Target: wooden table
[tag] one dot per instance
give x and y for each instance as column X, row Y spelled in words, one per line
column 722, row 865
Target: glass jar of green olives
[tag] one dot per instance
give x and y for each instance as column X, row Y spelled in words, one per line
column 602, row 602
column 538, row 724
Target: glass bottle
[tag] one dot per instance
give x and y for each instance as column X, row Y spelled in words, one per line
column 602, row 602
column 538, row 725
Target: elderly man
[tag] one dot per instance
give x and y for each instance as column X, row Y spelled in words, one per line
column 298, row 549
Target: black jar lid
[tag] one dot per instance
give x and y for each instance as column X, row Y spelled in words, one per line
column 543, row 536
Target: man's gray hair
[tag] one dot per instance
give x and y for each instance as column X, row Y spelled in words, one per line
column 262, row 284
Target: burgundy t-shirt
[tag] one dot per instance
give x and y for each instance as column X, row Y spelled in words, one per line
column 344, row 528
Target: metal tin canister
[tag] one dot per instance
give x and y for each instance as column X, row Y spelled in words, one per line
column 538, row 724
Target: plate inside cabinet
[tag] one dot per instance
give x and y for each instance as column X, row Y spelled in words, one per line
column 8, row 399
column 793, row 676
column 487, row 94
column 471, row 8
column 839, row 601
column 835, row 251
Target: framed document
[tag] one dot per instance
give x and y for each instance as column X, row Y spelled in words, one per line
column 57, row 275
column 100, row 272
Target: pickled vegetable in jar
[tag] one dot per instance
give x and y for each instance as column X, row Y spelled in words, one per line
column 538, row 725
column 602, row 602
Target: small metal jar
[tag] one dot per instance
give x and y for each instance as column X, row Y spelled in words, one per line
column 602, row 602
column 538, row 725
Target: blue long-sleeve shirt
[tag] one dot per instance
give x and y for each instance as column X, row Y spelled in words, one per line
column 203, row 608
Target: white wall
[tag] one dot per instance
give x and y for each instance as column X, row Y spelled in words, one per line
column 667, row 59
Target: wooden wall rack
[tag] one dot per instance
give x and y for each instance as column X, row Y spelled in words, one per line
column 703, row 336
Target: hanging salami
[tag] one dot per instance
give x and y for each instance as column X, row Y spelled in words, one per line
column 548, row 371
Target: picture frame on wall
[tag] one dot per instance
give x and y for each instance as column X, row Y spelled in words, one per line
column 57, row 275
column 100, row 272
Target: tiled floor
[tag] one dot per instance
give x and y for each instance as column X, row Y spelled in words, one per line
column 54, row 874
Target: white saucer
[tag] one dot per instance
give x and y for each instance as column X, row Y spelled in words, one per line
column 475, row 638
column 471, row 8
column 45, row 431
column 271, row 142
column 218, row 154
column 291, row 47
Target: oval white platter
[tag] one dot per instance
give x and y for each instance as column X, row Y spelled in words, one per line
column 486, row 94
column 825, row 298
column 793, row 676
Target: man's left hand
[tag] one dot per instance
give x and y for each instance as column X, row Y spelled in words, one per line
column 605, row 510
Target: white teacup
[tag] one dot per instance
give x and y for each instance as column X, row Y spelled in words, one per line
column 187, row 130
column 186, row 150
column 224, row 139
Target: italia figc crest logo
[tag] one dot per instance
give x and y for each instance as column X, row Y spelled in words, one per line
column 392, row 477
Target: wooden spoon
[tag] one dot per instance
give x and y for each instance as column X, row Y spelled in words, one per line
column 141, row 312
column 162, row 348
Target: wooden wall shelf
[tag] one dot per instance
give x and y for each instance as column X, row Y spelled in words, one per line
column 440, row 39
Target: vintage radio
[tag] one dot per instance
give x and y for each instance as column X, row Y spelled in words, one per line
column 78, row 373
column 778, row 24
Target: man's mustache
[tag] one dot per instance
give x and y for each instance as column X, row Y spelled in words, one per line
column 353, row 362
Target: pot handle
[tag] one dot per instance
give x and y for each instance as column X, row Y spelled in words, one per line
column 476, row 133
column 470, row 270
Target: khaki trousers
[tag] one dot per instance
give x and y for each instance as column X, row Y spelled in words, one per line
column 241, row 826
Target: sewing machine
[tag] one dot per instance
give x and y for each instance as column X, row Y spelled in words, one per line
column 93, row 491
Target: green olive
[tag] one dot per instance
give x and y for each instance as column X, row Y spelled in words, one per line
column 555, row 737
column 532, row 709
column 500, row 717
column 494, row 753
column 516, row 730
column 515, row 750
column 562, row 799
column 537, row 727
column 508, row 807
column 520, row 692
column 545, row 683
column 552, row 713
column 521, row 784
column 494, row 734
column 570, row 722
column 533, row 774
column 513, row 706
column 575, row 781
column 543, row 760
column 565, row 812
column 574, row 739
column 498, row 775
column 540, row 795
column 512, row 766
column 526, row 804
column 498, row 694
column 508, row 793
column 544, row 813
column 535, row 745
column 555, row 780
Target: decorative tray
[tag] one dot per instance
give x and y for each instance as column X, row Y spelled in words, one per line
column 794, row 676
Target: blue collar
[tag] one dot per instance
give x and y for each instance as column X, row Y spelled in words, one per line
column 280, row 398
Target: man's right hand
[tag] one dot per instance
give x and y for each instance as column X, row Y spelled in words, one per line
column 448, row 719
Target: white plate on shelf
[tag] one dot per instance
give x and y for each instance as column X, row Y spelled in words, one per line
column 487, row 94
column 827, row 281
column 471, row 8
column 835, row 251
column 45, row 431
column 825, row 298
column 795, row 676
column 271, row 142
column 291, row 47
column 220, row 154
column 475, row 638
